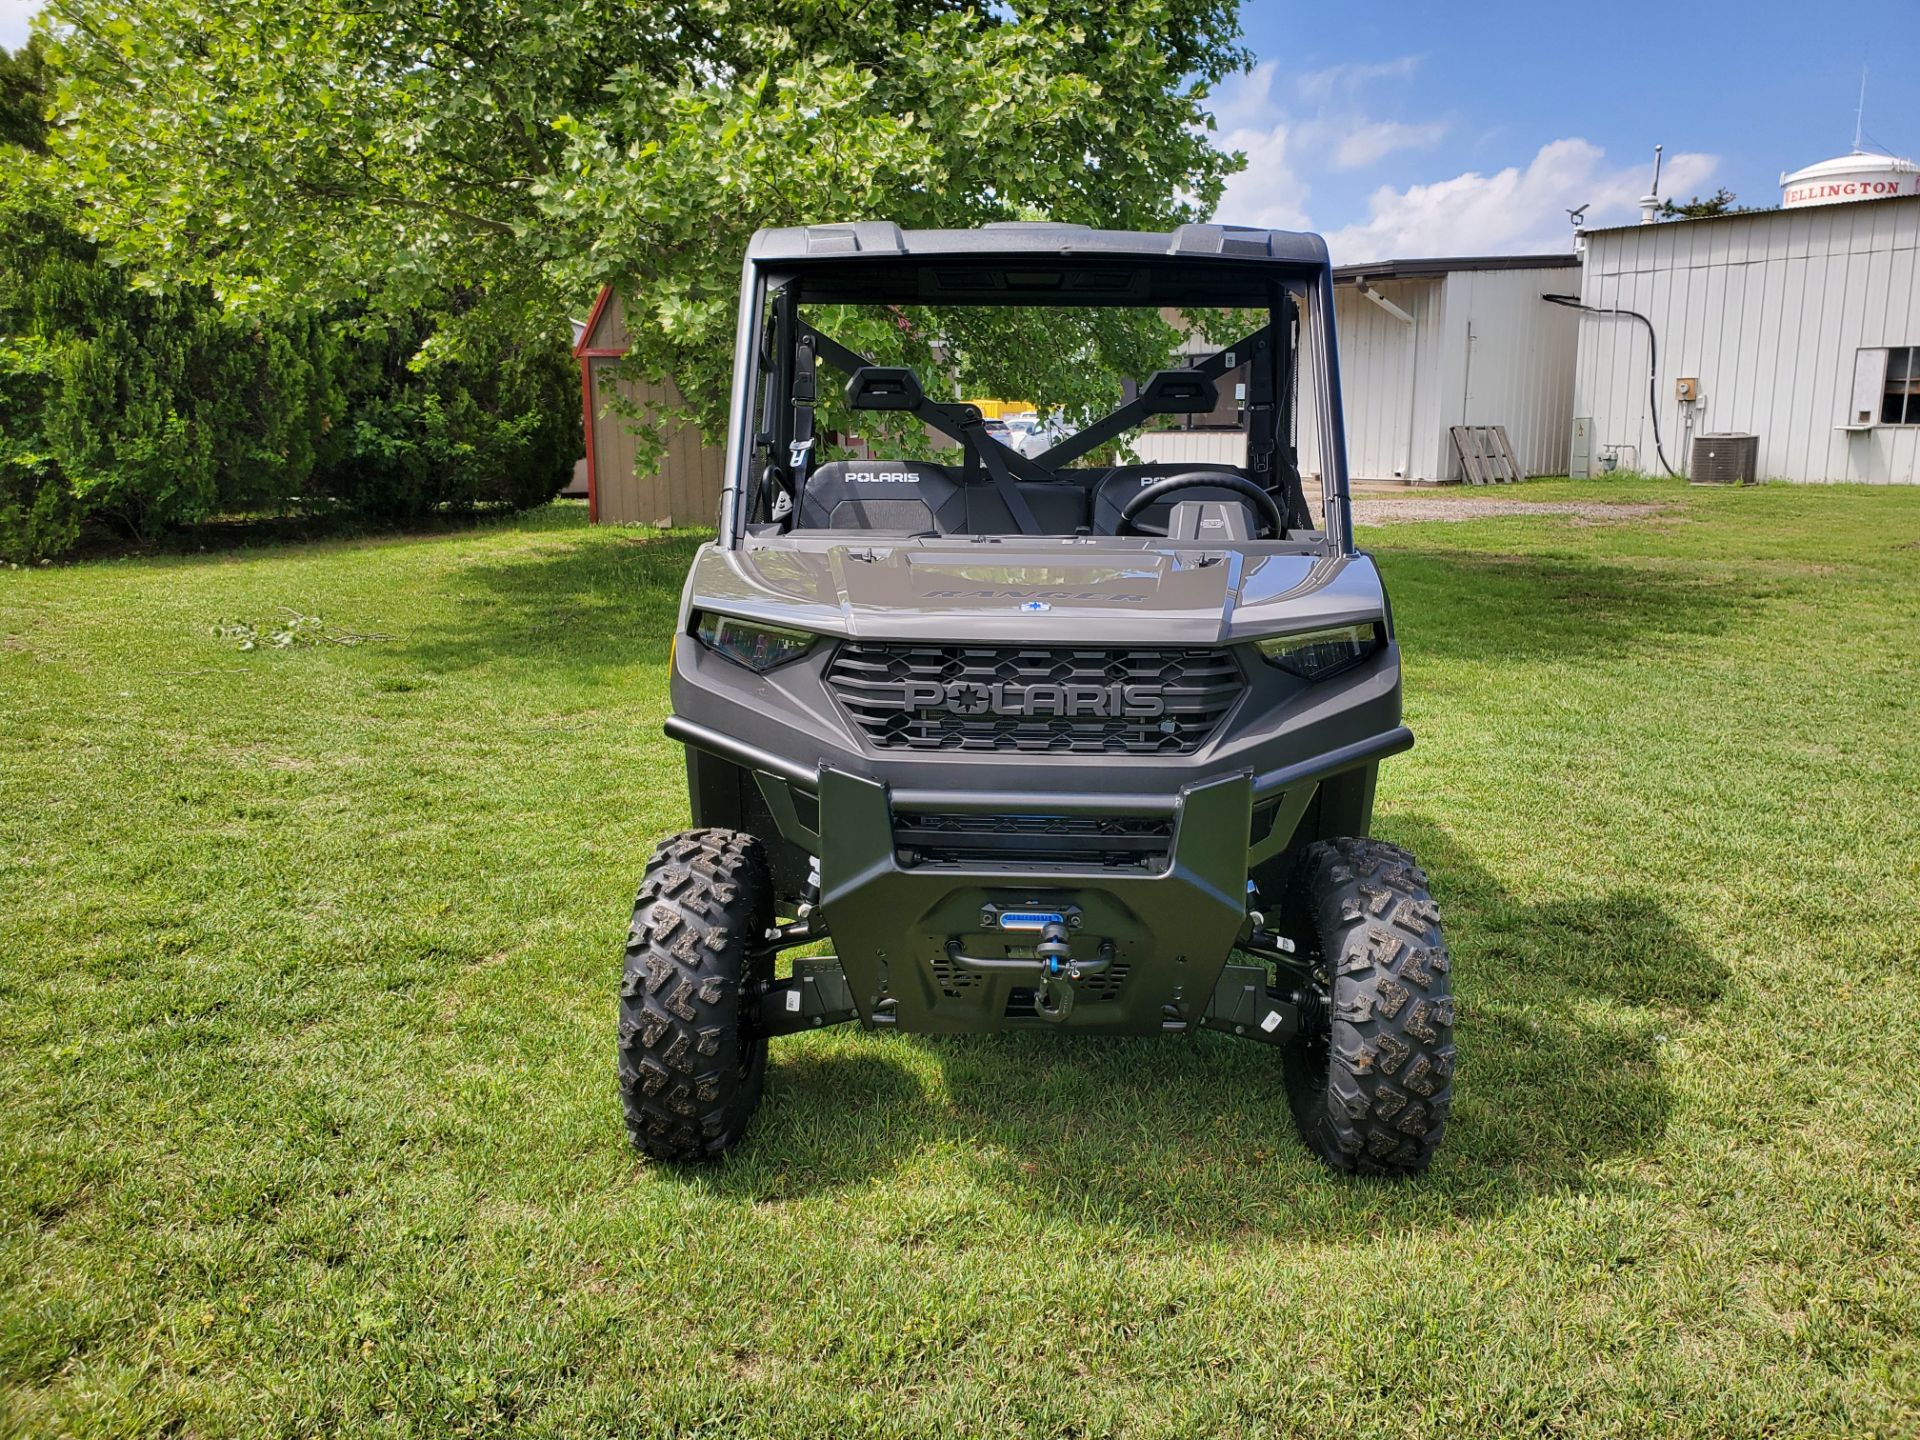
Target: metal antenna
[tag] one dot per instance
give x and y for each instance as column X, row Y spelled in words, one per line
column 1655, row 191
column 1860, row 112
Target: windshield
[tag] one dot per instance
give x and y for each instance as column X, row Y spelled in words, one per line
column 1026, row 402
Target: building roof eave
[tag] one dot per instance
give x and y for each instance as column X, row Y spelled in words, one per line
column 1432, row 267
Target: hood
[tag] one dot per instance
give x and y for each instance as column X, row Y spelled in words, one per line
column 1058, row 590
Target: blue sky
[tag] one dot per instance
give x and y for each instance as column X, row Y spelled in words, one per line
column 1427, row 130
column 1406, row 130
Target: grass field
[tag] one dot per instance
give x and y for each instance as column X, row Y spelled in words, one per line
column 307, row 966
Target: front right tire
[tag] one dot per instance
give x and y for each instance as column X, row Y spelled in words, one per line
column 691, row 1063
column 1372, row 1081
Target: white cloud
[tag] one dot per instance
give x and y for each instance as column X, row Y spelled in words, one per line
column 1372, row 141
column 1321, row 84
column 1278, row 139
column 14, row 15
column 1267, row 194
column 1244, row 101
column 1513, row 211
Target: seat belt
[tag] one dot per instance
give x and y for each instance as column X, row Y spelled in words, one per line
column 1264, row 415
column 974, row 436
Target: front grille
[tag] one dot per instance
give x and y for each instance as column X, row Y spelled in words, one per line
column 1035, row 698
column 1065, row 839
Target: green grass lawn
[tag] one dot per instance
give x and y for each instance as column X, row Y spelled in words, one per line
column 307, row 971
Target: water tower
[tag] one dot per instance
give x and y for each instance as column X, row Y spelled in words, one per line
column 1860, row 175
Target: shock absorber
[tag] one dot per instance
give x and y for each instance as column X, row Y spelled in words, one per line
column 1315, row 1016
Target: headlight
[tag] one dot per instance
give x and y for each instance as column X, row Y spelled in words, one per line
column 745, row 642
column 1311, row 654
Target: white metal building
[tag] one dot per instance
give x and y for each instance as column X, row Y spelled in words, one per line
column 1430, row 344
column 1799, row 325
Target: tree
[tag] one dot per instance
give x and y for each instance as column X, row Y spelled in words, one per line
column 24, row 92
column 513, row 155
column 1721, row 202
column 155, row 409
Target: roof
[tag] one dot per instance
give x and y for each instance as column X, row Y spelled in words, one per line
column 584, row 331
column 881, row 238
column 1447, row 264
column 1772, row 212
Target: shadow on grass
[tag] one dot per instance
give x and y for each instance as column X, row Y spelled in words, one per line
column 1494, row 608
column 587, row 604
column 605, row 600
column 1562, row 1010
column 1562, row 1002
column 238, row 534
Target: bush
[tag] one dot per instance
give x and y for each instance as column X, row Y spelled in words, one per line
column 499, row 425
column 153, row 411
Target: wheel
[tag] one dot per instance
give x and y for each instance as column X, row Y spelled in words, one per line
column 1371, row 1081
column 691, row 1066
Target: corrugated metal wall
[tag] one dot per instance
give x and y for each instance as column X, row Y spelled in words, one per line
column 683, row 486
column 1768, row 312
column 1483, row 349
column 1192, row 447
column 1510, row 357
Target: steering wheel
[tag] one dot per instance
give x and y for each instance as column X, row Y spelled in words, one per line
column 1271, row 520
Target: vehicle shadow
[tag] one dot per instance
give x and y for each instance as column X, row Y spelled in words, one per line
column 1494, row 608
column 1564, row 1006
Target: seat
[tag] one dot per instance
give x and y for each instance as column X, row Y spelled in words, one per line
column 915, row 496
column 1059, row 508
column 907, row 496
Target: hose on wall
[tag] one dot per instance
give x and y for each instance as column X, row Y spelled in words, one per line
column 1574, row 302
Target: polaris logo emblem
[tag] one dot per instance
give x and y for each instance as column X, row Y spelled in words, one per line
column 971, row 697
column 883, row 477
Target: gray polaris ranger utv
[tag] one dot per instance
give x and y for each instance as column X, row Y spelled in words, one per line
column 1080, row 737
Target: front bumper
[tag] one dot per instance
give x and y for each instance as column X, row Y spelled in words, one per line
column 919, row 950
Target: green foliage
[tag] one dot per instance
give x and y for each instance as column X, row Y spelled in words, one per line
column 294, row 631
column 1721, row 202
column 25, row 83
column 498, row 425
column 520, row 155
column 153, row 409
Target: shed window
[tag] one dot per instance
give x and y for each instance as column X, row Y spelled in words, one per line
column 1900, row 401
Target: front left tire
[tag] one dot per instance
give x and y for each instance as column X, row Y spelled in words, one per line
column 692, row 1067
column 1371, row 1081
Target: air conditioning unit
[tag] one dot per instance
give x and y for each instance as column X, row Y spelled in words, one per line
column 1724, row 459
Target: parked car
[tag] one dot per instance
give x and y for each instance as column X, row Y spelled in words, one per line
column 1033, row 436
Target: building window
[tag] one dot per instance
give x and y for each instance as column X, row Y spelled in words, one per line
column 1886, row 387
column 1900, row 400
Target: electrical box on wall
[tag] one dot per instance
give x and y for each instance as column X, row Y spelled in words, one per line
column 1686, row 389
column 1580, row 466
